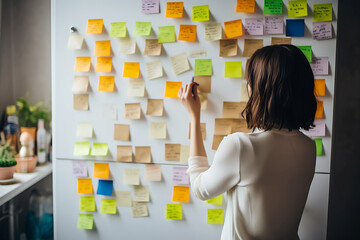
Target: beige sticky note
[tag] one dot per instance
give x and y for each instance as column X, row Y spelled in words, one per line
column 127, row 46
column 84, row 130
column 216, row 141
column 122, row 132
column 80, row 84
column 158, row 130
column 180, row 63
column 223, row 126
column 244, row 95
column 280, row 40
column 155, row 107
column 239, row 125
column 141, row 193
column 142, row 154
column 184, row 153
column 204, row 83
column 81, row 101
column 124, row 154
column 172, row 152
column 153, row 172
column 132, row 111
column 203, row 130
column 123, row 198
column 131, row 176
column 139, row 209
column 203, row 100
column 228, row 47
column 197, row 53
column 75, row 41
column 152, row 47
column 136, row 88
column 213, row 31
column 251, row 45
column 154, row 70
column 233, row 109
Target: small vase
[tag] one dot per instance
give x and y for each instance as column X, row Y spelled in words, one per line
column 30, row 130
column 7, row 172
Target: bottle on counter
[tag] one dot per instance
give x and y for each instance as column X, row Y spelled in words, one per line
column 41, row 140
column 11, row 128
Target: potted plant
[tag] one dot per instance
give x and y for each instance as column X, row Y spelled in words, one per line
column 7, row 162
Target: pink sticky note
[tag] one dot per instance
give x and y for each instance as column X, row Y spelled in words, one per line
column 320, row 65
column 322, row 30
column 150, row 6
column 318, row 130
column 274, row 25
column 180, row 176
column 254, row 26
column 79, row 168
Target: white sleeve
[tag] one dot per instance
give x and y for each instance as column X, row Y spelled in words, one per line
column 224, row 173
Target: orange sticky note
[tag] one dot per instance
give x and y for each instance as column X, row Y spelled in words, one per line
column 106, row 83
column 82, row 64
column 319, row 109
column 181, row 194
column 319, row 87
column 172, row 89
column 187, row 33
column 174, row 9
column 247, row 6
column 103, row 64
column 233, row 28
column 131, row 69
column 102, row 48
column 85, row 186
column 94, row 26
column 101, row 170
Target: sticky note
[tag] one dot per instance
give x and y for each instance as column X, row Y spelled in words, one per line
column 106, row 83
column 280, row 40
column 150, row 6
column 319, row 87
column 233, row 69
column 139, row 209
column 322, row 12
column 136, row 88
column 216, row 200
column 295, row 27
column 101, row 170
column 228, row 47
column 124, row 153
column 154, row 70
column 319, row 148
column 251, row 45
column 174, row 211
column 158, row 130
column 118, row 29
column 123, row 198
column 319, row 109
column 75, row 41
column 131, row 176
column 152, row 172
column 318, row 130
column 172, row 89
column 322, row 30
column 80, row 84
column 94, row 26
column 85, row 186
column 181, row 194
column 109, row 111
column 204, row 83
column 122, row 132
column 274, row 25
column 254, row 26
column 187, row 33
column 166, row 34
column 142, row 29
column 82, row 149
column 306, row 51
column 225, row 126
column 273, row 7
column 79, row 168
column 180, row 63
column 320, row 65
column 200, row 13
column 142, row 154
column 141, row 193
column 297, row 8
column 216, row 141
column 213, row 31
column 105, row 187
column 100, row 149
column 85, row 221
column 84, row 130
column 202, row 128
column 180, row 176
column 233, row 28
column 82, row 64
column 174, row 9
column 215, row 216
column 247, row 6
column 81, row 101
column 197, row 53
column 155, row 107
column 102, row 48
column 108, row 205
column 203, row 67
column 203, row 100
column 131, row 69
column 152, row 47
column 132, row 111
column 127, row 46
column 184, row 153
column 87, row 203
column 103, row 64
column 244, row 94
column 232, row 109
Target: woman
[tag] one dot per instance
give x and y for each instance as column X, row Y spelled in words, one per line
column 267, row 173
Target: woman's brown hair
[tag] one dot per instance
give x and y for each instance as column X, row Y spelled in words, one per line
column 281, row 85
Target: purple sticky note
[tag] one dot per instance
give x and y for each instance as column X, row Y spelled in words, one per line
column 180, row 176
column 322, row 30
column 320, row 65
column 79, row 168
column 254, row 26
column 274, row 25
column 318, row 130
column 150, row 6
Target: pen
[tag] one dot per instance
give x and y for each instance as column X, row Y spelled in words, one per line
column 192, row 90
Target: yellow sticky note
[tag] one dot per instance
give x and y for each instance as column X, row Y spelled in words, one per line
column 174, row 9
column 87, row 203
column 187, row 33
column 216, row 200
column 233, row 69
column 319, row 87
column 118, row 29
column 142, row 29
column 103, row 64
column 100, row 149
column 85, row 221
column 181, row 194
column 172, row 89
column 297, row 8
column 94, row 26
column 131, row 69
column 247, row 6
column 215, row 216
column 200, row 13
column 322, row 12
column 319, row 109
column 158, row 130
column 102, row 48
column 108, row 205
column 82, row 64
column 233, row 28
column 82, row 149
column 101, row 170
column 85, row 186
column 106, row 83
column 174, row 211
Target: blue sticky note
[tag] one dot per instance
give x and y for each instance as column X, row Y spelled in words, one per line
column 105, row 187
column 295, row 27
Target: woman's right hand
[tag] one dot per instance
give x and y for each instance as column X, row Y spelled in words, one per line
column 190, row 99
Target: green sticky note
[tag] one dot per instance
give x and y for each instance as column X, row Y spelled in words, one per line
column 108, row 205
column 166, row 34
column 200, row 13
column 319, row 148
column 85, row 221
column 203, row 67
column 118, row 29
column 307, row 52
column 215, row 216
column 216, row 200
column 233, row 69
column 142, row 29
column 99, row 149
column 322, row 12
column 87, row 203
column 174, row 211
column 273, row 7
column 297, row 8
column 82, row 149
